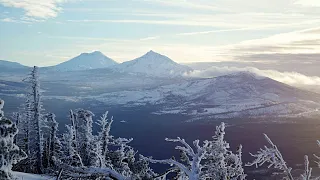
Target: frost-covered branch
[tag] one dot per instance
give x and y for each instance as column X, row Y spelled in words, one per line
column 188, row 149
column 193, row 167
column 171, row 162
column 307, row 169
column 318, row 162
column 94, row 171
column 273, row 157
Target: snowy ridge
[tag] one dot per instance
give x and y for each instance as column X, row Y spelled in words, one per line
column 85, row 61
column 154, row 64
column 9, row 64
column 235, row 95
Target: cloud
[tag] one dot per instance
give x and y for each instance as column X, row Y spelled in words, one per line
column 150, row 38
column 291, row 78
column 232, row 21
column 21, row 20
column 292, row 46
column 189, row 22
column 252, row 27
column 213, row 31
column 42, row 9
column 282, row 57
column 187, row 4
column 8, row 20
column 312, row 3
column 312, row 31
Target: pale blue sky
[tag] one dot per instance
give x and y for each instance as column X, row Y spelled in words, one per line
column 52, row 31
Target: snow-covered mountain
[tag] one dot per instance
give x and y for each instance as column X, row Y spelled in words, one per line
column 12, row 70
column 236, row 95
column 11, row 65
column 153, row 64
column 85, row 61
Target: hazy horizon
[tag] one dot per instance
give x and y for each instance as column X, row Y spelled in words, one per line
column 54, row 31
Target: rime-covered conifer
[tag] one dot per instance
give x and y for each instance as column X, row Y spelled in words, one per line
column 104, row 138
column 71, row 155
column 272, row 157
column 191, row 165
column 222, row 163
column 211, row 160
column 85, row 138
column 9, row 152
column 53, row 147
column 35, row 123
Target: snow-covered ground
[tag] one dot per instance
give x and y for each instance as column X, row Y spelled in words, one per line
column 25, row 176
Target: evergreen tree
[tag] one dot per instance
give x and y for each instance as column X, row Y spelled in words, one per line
column 9, row 152
column 24, row 118
column 35, row 123
column 71, row 155
column 85, row 138
column 55, row 146
column 221, row 163
column 104, row 139
column 211, row 160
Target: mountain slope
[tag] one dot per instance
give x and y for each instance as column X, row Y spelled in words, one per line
column 85, row 61
column 13, row 70
column 236, row 95
column 11, row 65
column 153, row 64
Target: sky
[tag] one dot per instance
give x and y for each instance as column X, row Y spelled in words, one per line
column 267, row 32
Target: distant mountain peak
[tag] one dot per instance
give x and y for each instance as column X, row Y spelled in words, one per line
column 154, row 64
column 96, row 53
column 152, row 57
column 151, row 52
column 85, row 61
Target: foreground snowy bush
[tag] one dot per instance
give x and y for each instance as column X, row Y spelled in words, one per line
column 211, row 160
column 272, row 157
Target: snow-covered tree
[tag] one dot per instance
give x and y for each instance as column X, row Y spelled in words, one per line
column 191, row 165
column 16, row 119
column 53, row 149
column 85, row 138
column 35, row 123
column 272, row 157
column 307, row 170
column 104, row 138
column 222, row 163
column 107, row 156
column 9, row 152
column 23, row 116
column 71, row 155
column 211, row 160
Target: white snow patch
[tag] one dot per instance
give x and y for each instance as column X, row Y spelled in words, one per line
column 25, row 176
